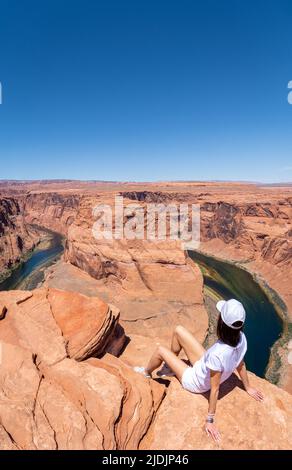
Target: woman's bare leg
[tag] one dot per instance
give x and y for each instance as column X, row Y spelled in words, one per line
column 163, row 354
column 183, row 339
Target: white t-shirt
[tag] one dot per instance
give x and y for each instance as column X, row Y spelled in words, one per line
column 220, row 357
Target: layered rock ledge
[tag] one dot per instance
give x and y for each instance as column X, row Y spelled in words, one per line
column 50, row 397
column 243, row 423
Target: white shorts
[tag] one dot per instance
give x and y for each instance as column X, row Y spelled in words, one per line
column 187, row 381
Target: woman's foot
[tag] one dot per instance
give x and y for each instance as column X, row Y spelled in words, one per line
column 142, row 371
column 165, row 371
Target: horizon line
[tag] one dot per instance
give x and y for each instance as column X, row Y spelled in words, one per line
column 69, row 180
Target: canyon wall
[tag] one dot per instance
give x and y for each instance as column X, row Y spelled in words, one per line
column 254, row 225
column 55, row 211
column 250, row 227
column 16, row 239
column 260, row 230
column 20, row 216
column 249, row 224
column 247, row 228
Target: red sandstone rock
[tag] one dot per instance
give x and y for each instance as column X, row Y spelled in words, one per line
column 243, row 422
column 29, row 324
column 20, row 382
column 72, row 405
column 87, row 324
column 142, row 397
column 55, row 324
column 96, row 397
column 34, row 412
column 48, row 401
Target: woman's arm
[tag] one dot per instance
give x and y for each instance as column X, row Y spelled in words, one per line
column 253, row 392
column 215, row 385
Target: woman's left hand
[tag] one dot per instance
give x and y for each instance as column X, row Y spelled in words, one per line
column 212, row 431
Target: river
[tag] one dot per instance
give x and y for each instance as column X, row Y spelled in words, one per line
column 263, row 324
column 29, row 274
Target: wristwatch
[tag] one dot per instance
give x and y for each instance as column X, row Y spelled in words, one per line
column 210, row 419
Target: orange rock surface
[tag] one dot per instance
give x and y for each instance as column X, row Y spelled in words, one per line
column 243, row 423
column 48, row 400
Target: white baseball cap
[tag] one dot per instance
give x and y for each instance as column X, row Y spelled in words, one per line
column 231, row 312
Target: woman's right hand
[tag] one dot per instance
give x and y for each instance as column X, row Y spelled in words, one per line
column 212, row 431
column 254, row 393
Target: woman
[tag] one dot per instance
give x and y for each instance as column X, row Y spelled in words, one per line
column 209, row 368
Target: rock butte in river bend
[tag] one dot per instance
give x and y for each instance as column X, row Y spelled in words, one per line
column 50, row 336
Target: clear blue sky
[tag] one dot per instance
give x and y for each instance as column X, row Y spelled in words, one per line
column 146, row 90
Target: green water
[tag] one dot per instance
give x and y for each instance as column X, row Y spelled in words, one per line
column 263, row 325
column 30, row 273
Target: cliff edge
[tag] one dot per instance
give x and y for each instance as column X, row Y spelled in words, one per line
column 61, row 389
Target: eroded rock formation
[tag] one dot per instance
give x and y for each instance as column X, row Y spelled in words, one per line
column 56, row 324
column 48, row 400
